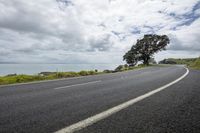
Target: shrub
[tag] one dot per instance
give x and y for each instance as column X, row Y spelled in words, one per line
column 107, row 71
column 119, row 68
column 196, row 64
column 91, row 72
column 83, row 73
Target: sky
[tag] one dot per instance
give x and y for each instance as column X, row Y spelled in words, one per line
column 94, row 31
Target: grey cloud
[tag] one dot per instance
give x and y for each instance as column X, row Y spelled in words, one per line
column 186, row 18
column 121, row 36
column 29, row 19
column 102, row 25
column 121, row 18
column 62, row 4
column 33, row 23
column 102, row 44
column 4, row 52
column 26, row 51
column 180, row 45
column 19, row 17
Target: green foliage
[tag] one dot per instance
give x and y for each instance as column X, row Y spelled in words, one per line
column 131, row 58
column 11, row 79
column 85, row 73
column 19, row 79
column 167, row 61
column 119, row 68
column 66, row 74
column 195, row 64
column 145, row 48
column 108, row 71
column 190, row 62
column 14, row 78
column 125, row 67
column 92, row 72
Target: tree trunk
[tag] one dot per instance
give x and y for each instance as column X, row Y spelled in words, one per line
column 146, row 61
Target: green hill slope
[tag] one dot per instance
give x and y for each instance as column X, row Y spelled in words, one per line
column 190, row 62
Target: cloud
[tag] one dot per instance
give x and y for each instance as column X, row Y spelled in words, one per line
column 186, row 38
column 83, row 31
column 103, row 43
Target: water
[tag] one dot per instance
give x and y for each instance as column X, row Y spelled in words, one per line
column 6, row 69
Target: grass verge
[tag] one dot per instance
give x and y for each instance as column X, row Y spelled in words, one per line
column 193, row 63
column 13, row 78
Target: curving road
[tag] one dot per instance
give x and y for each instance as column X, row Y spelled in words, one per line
column 45, row 107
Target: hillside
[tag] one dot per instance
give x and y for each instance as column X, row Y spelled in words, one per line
column 190, row 62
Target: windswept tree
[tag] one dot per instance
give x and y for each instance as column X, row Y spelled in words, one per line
column 131, row 58
column 145, row 48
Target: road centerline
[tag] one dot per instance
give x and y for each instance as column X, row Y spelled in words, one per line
column 63, row 87
column 93, row 119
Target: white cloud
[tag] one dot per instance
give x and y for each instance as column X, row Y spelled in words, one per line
column 186, row 38
column 92, row 31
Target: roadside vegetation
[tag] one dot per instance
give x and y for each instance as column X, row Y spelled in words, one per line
column 193, row 63
column 14, row 78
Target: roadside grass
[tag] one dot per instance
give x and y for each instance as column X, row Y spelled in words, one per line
column 13, row 79
column 195, row 64
column 192, row 63
column 122, row 68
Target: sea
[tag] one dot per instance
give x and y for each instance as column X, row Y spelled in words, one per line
column 31, row 69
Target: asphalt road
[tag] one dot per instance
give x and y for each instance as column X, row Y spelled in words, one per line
column 50, row 106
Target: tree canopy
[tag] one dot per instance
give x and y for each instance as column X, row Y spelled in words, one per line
column 145, row 48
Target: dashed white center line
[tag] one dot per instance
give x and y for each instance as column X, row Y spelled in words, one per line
column 63, row 87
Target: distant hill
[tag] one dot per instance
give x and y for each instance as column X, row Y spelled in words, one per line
column 190, row 62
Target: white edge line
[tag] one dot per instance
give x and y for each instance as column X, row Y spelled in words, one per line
column 93, row 119
column 63, row 87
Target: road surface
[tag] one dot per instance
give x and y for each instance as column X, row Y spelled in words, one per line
column 47, row 107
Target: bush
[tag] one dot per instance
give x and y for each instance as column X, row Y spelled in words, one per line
column 2, row 81
column 119, row 68
column 107, row 71
column 60, row 75
column 92, row 72
column 196, row 64
column 168, row 61
column 63, row 75
column 141, row 65
column 9, row 75
column 83, row 73
column 46, row 73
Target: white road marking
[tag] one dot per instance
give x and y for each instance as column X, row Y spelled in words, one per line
column 63, row 87
column 93, row 119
